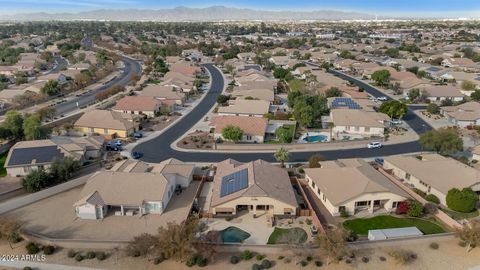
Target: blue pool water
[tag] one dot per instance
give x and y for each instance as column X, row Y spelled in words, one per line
column 233, row 235
column 315, row 138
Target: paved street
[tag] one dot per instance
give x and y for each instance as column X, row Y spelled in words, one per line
column 159, row 149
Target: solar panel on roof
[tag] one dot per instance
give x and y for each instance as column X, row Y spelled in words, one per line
column 43, row 154
column 345, row 102
column 234, row 182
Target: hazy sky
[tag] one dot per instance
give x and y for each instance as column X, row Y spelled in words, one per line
column 443, row 8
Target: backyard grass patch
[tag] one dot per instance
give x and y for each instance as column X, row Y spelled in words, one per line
column 287, row 236
column 3, row 171
column 362, row 226
column 459, row 216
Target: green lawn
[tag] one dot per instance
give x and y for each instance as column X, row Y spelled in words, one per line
column 459, row 216
column 362, row 226
column 3, row 171
column 287, row 236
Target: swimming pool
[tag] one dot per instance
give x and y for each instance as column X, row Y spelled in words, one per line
column 233, row 235
column 316, row 138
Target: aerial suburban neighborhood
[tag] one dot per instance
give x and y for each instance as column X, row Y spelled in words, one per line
column 283, row 136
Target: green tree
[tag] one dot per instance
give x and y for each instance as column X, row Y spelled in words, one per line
column 63, row 169
column 282, row 155
column 222, row 99
column 415, row 209
column 443, row 140
column 160, row 66
column 468, row 86
column 314, row 161
column 35, row 180
column 381, row 77
column 47, row 112
column 304, row 115
column 393, row 108
column 333, row 92
column 284, row 134
column 413, row 94
column 392, row 52
column 32, row 128
column 347, row 55
column 475, row 95
column 280, row 73
column 14, row 123
column 464, row 200
column 433, row 108
column 232, row 133
column 292, row 97
column 51, row 88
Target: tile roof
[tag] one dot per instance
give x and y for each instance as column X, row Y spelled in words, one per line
column 249, row 125
column 137, row 103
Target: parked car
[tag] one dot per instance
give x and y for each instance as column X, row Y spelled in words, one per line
column 113, row 147
column 136, row 155
column 379, row 161
column 374, row 145
column 137, row 135
column 382, row 98
column 396, row 121
column 313, row 229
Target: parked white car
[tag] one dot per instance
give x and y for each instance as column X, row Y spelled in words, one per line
column 374, row 145
column 382, row 98
column 396, row 122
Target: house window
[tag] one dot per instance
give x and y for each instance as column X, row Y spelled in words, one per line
column 249, row 138
column 357, row 129
column 313, row 184
column 347, row 128
column 362, row 203
column 342, row 209
column 318, row 191
column 324, row 198
column 105, row 131
column 367, row 129
column 394, row 204
column 91, row 130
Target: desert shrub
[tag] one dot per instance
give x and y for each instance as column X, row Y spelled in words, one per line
column 260, row 257
column 462, row 243
column 202, row 262
column 348, row 261
column 90, row 255
column 402, row 256
column 191, row 262
column 266, row 264
column 382, row 259
column 308, row 221
column 32, row 248
column 79, row 257
column 432, row 198
column 247, row 255
column 101, row 255
column 27, row 268
column 256, row 267
column 281, row 257
column 234, row 259
column 309, row 258
column 47, row 250
column 71, row 253
column 287, row 260
column 434, row 245
column 303, row 263
column 365, row 259
column 318, row 263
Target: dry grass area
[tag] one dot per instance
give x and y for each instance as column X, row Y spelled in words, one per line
column 197, row 140
column 160, row 122
column 448, row 256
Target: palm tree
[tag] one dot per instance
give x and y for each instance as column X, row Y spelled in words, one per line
column 331, row 125
column 282, row 156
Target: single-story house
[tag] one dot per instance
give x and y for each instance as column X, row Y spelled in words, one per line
column 141, row 105
column 257, row 187
column 368, row 189
column 242, row 107
column 132, row 188
column 357, row 122
column 439, row 93
column 107, row 123
column 164, row 93
column 433, row 173
column 466, row 114
column 26, row 156
column 253, row 128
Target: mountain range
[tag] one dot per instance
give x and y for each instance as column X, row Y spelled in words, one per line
column 179, row 14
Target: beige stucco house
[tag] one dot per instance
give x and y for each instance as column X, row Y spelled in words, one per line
column 132, row 188
column 108, row 123
column 352, row 186
column 257, row 187
column 433, row 173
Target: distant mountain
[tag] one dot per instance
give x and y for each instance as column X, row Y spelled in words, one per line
column 214, row 13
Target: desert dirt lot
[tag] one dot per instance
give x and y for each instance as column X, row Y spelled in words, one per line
column 448, row 256
column 55, row 217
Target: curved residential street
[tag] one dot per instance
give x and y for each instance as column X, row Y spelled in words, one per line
column 159, row 148
column 131, row 68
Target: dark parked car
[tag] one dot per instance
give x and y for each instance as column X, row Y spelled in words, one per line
column 137, row 135
column 136, row 155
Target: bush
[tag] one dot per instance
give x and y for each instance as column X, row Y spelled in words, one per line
column 365, row 259
column 419, row 192
column 32, row 248
column 260, row 257
column 382, row 259
column 101, row 256
column 432, row 198
column 202, row 262
column 415, row 209
column 234, row 259
column 48, row 250
column 27, row 268
column 90, row 255
column 281, row 257
column 256, row 267
column 191, row 262
column 402, row 208
column 247, row 255
column 266, row 264
column 348, row 261
column 309, row 258
column 71, row 253
column 303, row 263
column 318, row 263
column 79, row 257
column 403, row 256
column 343, row 213
column 434, row 245
column 463, row 200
